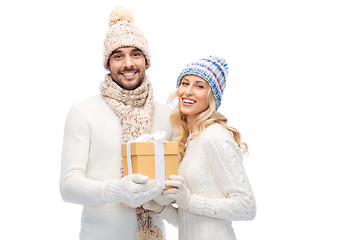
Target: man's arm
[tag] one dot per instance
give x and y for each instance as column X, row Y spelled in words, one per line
column 76, row 187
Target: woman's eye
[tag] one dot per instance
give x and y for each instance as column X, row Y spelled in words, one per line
column 200, row 86
column 184, row 83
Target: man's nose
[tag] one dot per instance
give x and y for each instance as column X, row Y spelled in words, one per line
column 128, row 62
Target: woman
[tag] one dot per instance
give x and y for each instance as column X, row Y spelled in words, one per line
column 212, row 188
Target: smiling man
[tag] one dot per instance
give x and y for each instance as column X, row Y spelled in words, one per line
column 91, row 172
column 127, row 67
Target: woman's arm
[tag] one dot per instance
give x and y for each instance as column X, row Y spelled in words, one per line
column 225, row 160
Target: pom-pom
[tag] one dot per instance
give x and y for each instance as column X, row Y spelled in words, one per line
column 120, row 14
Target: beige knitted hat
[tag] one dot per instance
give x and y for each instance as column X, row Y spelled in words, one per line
column 123, row 33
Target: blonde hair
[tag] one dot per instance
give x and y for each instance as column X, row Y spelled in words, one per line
column 205, row 119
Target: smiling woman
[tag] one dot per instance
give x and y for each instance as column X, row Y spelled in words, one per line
column 192, row 95
column 212, row 188
column 280, row 94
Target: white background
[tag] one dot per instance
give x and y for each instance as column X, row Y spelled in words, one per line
column 281, row 95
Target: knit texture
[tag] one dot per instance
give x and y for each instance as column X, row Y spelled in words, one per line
column 134, row 107
column 91, row 160
column 123, row 33
column 214, row 70
column 220, row 191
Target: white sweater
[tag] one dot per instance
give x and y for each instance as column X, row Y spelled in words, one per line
column 91, row 157
column 220, row 191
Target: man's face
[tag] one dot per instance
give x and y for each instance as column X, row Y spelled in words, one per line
column 127, row 67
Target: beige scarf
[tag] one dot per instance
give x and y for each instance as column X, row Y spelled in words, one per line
column 135, row 108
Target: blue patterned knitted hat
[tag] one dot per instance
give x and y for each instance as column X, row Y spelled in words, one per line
column 213, row 69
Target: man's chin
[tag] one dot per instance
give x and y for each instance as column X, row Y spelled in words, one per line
column 130, row 85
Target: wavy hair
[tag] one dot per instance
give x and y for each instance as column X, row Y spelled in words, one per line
column 205, row 119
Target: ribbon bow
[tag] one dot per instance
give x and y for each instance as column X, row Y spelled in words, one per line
column 159, row 136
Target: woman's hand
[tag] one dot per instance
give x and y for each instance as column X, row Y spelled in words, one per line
column 180, row 193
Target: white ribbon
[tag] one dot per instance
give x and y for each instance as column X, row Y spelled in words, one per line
column 160, row 161
column 158, row 138
column 128, row 156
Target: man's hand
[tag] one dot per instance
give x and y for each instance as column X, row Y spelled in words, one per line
column 134, row 190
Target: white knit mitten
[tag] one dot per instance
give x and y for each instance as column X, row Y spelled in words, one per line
column 162, row 200
column 133, row 190
column 180, row 193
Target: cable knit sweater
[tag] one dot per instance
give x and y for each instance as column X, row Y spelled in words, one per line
column 91, row 159
column 220, row 191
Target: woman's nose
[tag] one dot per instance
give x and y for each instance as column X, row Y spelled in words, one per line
column 189, row 90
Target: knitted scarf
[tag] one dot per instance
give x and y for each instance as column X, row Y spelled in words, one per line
column 134, row 108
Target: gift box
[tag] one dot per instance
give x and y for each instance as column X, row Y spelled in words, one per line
column 157, row 160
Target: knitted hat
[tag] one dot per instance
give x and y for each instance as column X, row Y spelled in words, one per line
column 214, row 70
column 123, row 33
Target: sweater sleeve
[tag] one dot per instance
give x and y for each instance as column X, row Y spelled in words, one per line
column 170, row 214
column 75, row 187
column 225, row 159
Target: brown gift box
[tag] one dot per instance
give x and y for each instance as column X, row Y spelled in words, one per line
column 143, row 159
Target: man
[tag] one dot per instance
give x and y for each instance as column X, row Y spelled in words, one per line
column 95, row 128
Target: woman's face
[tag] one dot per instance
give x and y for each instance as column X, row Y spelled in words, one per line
column 192, row 95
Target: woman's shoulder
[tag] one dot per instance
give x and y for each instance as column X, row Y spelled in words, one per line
column 217, row 131
column 216, row 136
